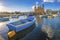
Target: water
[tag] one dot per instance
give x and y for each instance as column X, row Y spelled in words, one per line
column 3, row 31
column 48, row 28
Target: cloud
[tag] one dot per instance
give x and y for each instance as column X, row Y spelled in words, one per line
column 2, row 7
column 33, row 7
column 37, row 2
column 5, row 8
column 48, row 0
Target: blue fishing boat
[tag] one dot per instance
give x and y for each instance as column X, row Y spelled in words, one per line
column 20, row 25
column 44, row 16
column 2, row 19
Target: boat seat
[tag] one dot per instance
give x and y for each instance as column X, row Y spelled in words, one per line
column 24, row 21
column 16, row 23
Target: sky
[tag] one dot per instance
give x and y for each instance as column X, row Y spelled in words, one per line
column 27, row 5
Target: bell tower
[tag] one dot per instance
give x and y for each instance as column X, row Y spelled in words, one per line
column 39, row 9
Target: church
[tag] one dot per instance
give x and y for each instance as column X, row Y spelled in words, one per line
column 39, row 10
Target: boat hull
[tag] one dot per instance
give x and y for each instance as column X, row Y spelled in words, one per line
column 22, row 26
column 23, row 33
column 4, row 19
column 21, row 29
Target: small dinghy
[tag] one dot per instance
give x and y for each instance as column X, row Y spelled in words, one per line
column 17, row 26
column 3, row 19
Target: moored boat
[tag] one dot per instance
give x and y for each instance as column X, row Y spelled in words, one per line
column 2, row 19
column 18, row 26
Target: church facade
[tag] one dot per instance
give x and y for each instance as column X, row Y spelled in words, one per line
column 39, row 10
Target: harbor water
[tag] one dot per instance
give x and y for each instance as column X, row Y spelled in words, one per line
column 47, row 28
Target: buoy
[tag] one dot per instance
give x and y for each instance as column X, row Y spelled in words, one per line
column 11, row 34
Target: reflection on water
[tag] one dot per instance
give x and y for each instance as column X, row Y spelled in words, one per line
column 48, row 28
column 52, row 27
column 37, row 33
